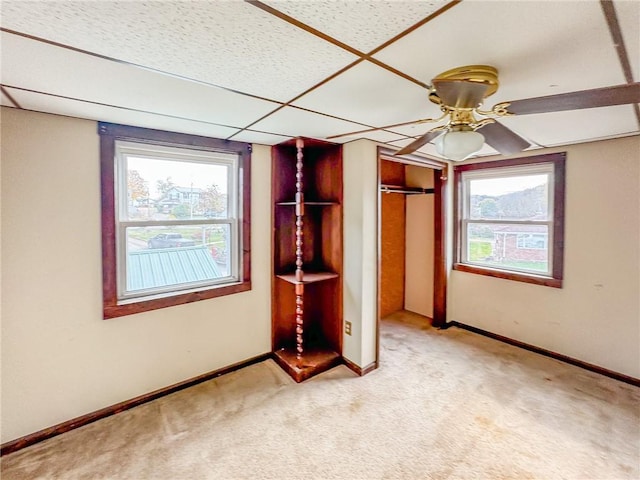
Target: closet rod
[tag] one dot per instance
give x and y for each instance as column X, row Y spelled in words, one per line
column 404, row 190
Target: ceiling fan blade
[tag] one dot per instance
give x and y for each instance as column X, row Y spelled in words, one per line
column 423, row 140
column 460, row 93
column 597, row 97
column 502, row 139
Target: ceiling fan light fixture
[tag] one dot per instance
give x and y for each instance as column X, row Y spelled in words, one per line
column 459, row 144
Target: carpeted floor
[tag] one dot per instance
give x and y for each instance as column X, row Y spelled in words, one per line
column 443, row 404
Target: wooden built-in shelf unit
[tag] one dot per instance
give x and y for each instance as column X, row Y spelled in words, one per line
column 307, row 256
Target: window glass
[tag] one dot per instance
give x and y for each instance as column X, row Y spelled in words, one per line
column 510, row 218
column 510, row 198
column 509, row 246
column 533, row 241
column 175, row 212
column 176, row 219
column 161, row 256
column 168, row 189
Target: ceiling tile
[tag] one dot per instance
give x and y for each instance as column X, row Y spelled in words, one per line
column 569, row 48
column 376, row 135
column 230, row 44
column 241, row 47
column 556, row 128
column 369, row 94
column 485, row 151
column 73, row 108
column 301, row 123
column 416, row 129
column 362, row 24
column 38, row 66
column 260, row 137
column 428, row 149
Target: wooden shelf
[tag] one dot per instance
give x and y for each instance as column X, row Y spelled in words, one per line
column 307, row 312
column 312, row 362
column 319, row 204
column 386, row 188
column 309, row 277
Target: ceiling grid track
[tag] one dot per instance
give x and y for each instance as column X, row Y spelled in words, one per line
column 288, row 104
column 180, row 77
column 101, row 104
column 135, row 65
column 4, row 90
column 363, row 57
column 346, row 69
column 334, row 41
column 618, row 42
column 10, row 97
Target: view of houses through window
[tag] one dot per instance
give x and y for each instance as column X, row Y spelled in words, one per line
column 177, row 218
column 507, row 216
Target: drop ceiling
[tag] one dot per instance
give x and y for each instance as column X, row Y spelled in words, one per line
column 264, row 72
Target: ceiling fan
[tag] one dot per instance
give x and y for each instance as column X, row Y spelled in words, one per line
column 461, row 91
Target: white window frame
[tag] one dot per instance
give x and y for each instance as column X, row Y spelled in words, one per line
column 125, row 149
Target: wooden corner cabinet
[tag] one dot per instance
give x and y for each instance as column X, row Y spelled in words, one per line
column 307, row 256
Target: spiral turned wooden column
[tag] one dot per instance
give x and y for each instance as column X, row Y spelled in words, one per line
column 299, row 243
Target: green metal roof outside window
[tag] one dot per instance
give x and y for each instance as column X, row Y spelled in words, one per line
column 170, row 266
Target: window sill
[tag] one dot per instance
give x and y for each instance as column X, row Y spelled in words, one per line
column 115, row 310
column 516, row 276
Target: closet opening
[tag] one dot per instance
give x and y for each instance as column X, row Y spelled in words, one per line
column 411, row 247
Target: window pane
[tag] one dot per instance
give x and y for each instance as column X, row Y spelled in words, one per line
column 513, row 247
column 163, row 256
column 175, row 190
column 509, row 198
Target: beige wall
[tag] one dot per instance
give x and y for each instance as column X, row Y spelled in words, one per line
column 360, row 211
column 60, row 360
column 595, row 317
column 419, row 266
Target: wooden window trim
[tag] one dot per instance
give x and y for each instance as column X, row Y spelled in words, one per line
column 557, row 268
column 109, row 133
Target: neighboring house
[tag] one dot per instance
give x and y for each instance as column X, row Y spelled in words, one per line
column 520, row 242
column 179, row 196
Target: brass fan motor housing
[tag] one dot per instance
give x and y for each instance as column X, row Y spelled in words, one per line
column 485, row 74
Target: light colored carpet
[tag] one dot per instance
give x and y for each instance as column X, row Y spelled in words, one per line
column 443, row 404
